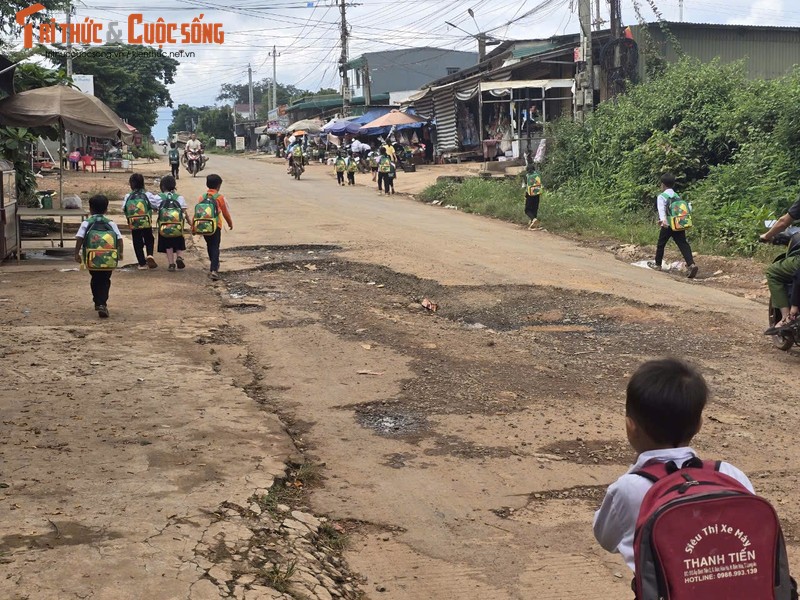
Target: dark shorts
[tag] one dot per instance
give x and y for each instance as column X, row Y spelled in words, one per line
column 176, row 243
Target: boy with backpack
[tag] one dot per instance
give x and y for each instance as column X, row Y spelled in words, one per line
column 340, row 167
column 674, row 217
column 533, row 191
column 208, row 214
column 352, row 167
column 171, row 220
column 687, row 528
column 137, row 206
column 174, row 160
column 386, row 172
column 98, row 247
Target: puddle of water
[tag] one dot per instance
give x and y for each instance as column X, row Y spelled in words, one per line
column 391, row 423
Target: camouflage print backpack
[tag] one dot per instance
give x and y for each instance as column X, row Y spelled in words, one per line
column 206, row 215
column 100, row 245
column 170, row 216
column 138, row 211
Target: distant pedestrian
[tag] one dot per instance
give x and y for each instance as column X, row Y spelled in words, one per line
column 174, row 160
column 386, row 172
column 340, row 166
column 98, row 247
column 352, row 167
column 533, row 192
column 217, row 209
column 672, row 226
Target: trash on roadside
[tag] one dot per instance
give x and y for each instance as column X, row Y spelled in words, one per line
column 310, row 267
column 68, row 270
column 369, row 373
column 451, row 206
column 366, row 346
column 431, row 306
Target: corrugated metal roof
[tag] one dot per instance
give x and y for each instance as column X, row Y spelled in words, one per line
column 525, row 50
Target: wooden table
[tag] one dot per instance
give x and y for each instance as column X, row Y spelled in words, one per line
column 44, row 213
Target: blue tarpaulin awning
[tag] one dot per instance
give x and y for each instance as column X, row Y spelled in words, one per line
column 353, row 125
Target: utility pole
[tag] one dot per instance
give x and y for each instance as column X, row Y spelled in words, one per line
column 481, row 37
column 275, row 56
column 680, row 8
column 250, row 92
column 250, row 127
column 367, row 83
column 343, row 62
column 67, row 134
column 585, row 100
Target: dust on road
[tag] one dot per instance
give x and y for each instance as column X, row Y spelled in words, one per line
column 466, row 448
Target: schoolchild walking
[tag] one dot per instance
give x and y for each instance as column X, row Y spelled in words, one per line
column 172, row 218
column 352, row 167
column 385, row 170
column 673, row 513
column 138, row 206
column 533, row 192
column 98, row 247
column 674, row 217
column 209, row 211
column 340, row 167
column 174, row 160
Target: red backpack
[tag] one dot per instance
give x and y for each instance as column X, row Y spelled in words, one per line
column 701, row 535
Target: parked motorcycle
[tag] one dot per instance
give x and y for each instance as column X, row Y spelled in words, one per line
column 194, row 161
column 790, row 238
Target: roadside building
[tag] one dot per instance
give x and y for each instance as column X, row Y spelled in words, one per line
column 497, row 108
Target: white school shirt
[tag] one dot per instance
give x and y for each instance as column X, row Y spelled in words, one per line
column 661, row 203
column 153, row 199
column 181, row 201
column 615, row 521
column 85, row 225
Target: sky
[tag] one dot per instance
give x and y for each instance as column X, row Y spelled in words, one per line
column 306, row 33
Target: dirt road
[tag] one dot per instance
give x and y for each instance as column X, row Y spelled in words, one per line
column 465, row 449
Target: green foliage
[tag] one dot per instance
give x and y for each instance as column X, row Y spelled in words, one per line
column 9, row 9
column 15, row 144
column 733, row 144
column 131, row 79
column 185, row 118
column 216, row 123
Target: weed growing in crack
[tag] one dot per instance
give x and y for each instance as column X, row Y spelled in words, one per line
column 332, row 538
column 279, row 577
column 309, row 474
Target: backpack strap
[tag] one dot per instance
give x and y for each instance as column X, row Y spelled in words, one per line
column 658, row 470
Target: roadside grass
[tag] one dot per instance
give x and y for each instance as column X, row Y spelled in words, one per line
column 289, row 490
column 564, row 213
column 333, row 538
column 279, row 578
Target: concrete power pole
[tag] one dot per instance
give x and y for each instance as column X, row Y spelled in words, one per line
column 252, row 107
column 67, row 135
column 275, row 56
column 680, row 7
column 585, row 101
column 343, row 62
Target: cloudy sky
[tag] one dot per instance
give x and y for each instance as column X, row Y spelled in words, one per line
column 306, row 33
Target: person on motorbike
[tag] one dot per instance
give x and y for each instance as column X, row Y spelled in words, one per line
column 782, row 272
column 193, row 145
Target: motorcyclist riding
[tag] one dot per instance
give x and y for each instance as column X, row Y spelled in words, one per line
column 783, row 271
column 295, row 153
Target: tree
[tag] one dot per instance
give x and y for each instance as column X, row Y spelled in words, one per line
column 9, row 9
column 132, row 80
column 186, row 118
column 217, row 123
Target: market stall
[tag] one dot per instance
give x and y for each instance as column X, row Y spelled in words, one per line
column 512, row 113
column 66, row 108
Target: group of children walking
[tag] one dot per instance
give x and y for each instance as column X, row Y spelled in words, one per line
column 383, row 168
column 99, row 245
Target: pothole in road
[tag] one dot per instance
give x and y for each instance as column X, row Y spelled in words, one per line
column 578, row 492
column 244, row 307
column 282, row 253
column 390, row 422
column 609, row 452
